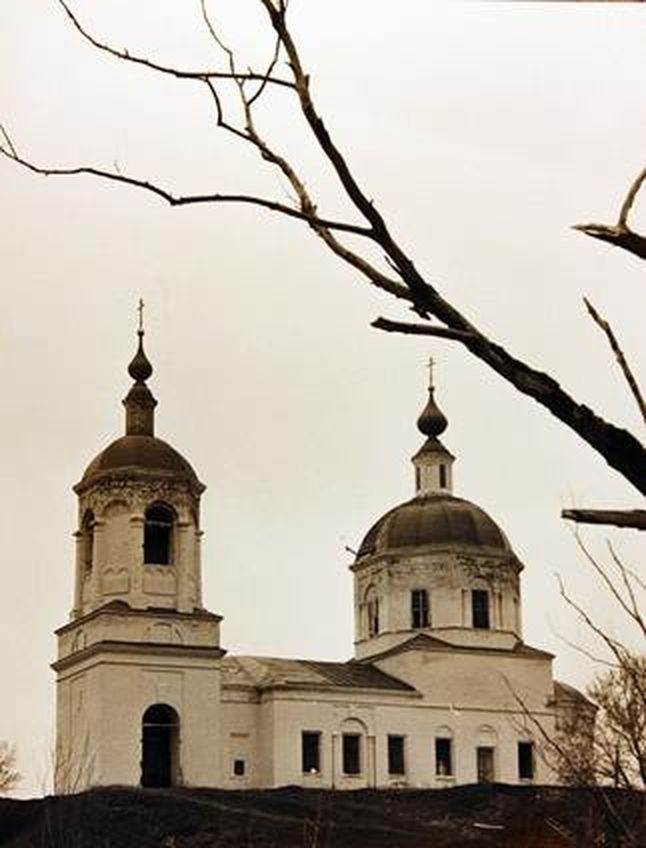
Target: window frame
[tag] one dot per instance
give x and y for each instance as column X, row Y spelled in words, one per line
column 153, row 546
column 525, row 748
column 440, row 758
column 305, row 753
column 480, row 612
column 421, row 611
column 396, row 754
column 345, row 754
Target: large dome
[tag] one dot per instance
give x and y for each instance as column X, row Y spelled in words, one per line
column 132, row 454
column 430, row 520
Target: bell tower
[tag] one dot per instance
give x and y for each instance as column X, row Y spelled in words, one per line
column 137, row 672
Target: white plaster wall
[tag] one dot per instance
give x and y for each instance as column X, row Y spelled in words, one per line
column 118, row 688
column 288, row 714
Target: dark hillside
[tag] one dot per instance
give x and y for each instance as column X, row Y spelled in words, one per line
column 470, row 816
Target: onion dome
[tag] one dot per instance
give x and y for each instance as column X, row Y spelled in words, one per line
column 436, row 521
column 139, row 454
column 432, row 422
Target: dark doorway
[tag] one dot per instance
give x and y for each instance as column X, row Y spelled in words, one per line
column 159, row 746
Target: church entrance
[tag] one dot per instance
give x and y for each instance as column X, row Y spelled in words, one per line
column 159, row 746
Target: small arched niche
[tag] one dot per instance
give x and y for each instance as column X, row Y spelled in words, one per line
column 160, row 746
column 159, row 534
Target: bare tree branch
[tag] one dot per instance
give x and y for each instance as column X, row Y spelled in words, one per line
column 620, row 234
column 621, row 449
column 419, row 330
column 631, row 518
column 619, row 355
column 164, row 69
column 183, row 200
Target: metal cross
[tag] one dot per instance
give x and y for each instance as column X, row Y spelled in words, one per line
column 140, row 310
column 431, row 363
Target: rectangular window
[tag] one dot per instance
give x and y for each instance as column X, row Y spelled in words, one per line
column 442, row 476
column 396, row 763
column 373, row 617
column 526, row 760
column 419, row 608
column 480, row 608
column 238, row 768
column 351, row 753
column 311, row 752
column 485, row 764
column 443, row 757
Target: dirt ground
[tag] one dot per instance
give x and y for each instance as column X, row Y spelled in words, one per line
column 464, row 817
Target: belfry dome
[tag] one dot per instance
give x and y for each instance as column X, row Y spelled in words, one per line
column 434, row 520
column 139, row 453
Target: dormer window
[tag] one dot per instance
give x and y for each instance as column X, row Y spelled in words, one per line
column 158, row 534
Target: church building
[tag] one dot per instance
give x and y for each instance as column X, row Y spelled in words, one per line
column 439, row 690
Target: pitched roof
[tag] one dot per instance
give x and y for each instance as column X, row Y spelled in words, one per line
column 425, row 642
column 277, row 672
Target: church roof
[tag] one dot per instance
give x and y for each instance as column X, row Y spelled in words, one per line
column 275, row 672
column 438, row 519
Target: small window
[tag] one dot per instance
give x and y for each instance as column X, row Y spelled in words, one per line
column 158, row 535
column 443, row 756
column 373, row 616
column 311, row 752
column 526, row 760
column 419, row 608
column 442, row 476
column 418, row 479
column 485, row 764
column 351, row 753
column 239, row 768
column 396, row 763
column 480, row 608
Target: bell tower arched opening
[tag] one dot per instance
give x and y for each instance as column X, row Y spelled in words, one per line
column 87, row 532
column 160, row 747
column 159, row 523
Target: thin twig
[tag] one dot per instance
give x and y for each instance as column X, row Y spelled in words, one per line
column 619, row 355
column 164, row 69
column 626, row 206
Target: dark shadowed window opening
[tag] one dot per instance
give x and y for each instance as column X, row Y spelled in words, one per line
column 239, row 768
column 442, row 476
column 396, row 762
column 526, row 760
column 351, row 753
column 311, row 751
column 160, row 746
column 87, row 529
column 485, row 764
column 373, row 616
column 158, row 535
column 418, row 479
column 480, row 608
column 419, row 608
column 443, row 756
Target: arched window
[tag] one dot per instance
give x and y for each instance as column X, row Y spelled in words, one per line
column 160, row 746
column 87, row 530
column 158, row 534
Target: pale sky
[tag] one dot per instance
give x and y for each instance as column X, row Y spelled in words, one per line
column 482, row 131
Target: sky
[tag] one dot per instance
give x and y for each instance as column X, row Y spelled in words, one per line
column 483, row 132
